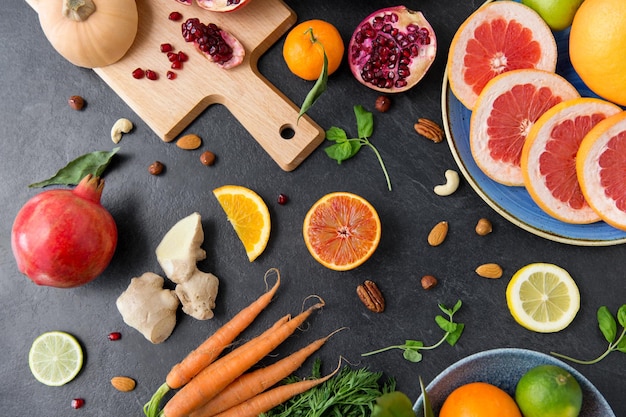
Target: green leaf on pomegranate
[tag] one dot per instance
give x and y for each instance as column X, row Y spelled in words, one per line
column 93, row 163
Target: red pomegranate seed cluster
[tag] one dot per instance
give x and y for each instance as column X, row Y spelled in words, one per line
column 175, row 58
column 208, row 38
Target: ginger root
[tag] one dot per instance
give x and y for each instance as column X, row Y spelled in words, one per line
column 197, row 295
column 178, row 254
column 149, row 308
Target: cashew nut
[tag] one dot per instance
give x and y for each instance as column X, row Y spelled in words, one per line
column 452, row 183
column 119, row 127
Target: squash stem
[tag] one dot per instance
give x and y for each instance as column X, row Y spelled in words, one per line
column 78, row 10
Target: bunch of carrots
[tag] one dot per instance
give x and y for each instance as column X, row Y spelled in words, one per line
column 212, row 385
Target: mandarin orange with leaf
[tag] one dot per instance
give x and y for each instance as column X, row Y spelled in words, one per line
column 305, row 45
column 479, row 399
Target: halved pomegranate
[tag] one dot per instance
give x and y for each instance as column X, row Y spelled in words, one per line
column 216, row 44
column 392, row 49
column 222, row 5
column 185, row 2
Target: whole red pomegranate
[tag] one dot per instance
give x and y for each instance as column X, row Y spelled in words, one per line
column 64, row 238
column 392, row 49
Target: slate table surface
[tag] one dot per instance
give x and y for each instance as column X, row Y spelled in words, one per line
column 40, row 134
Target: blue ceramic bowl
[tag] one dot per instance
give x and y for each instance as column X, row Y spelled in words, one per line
column 514, row 203
column 503, row 368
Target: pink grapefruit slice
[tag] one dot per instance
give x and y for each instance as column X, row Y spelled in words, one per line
column 505, row 112
column 601, row 169
column 549, row 157
column 498, row 37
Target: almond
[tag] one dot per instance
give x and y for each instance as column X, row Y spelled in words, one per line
column 123, row 383
column 438, row 234
column 492, row 271
column 189, row 142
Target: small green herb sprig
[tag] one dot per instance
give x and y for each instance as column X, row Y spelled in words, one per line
column 345, row 148
column 608, row 327
column 412, row 348
column 322, row 82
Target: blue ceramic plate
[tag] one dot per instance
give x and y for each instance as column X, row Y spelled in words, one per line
column 514, row 203
column 503, row 368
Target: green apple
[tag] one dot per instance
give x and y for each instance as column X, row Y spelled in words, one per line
column 558, row 14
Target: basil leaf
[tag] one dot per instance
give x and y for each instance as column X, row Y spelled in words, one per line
column 457, row 306
column 428, row 409
column 92, row 163
column 364, row 122
column 607, row 324
column 621, row 346
column 336, row 134
column 414, row 343
column 342, row 151
column 393, row 404
column 318, row 88
column 412, row 356
column 621, row 315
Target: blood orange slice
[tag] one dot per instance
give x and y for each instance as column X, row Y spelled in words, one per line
column 600, row 166
column 341, row 230
column 549, row 157
column 506, row 110
column 500, row 36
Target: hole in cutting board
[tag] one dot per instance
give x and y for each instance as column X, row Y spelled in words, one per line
column 287, row 132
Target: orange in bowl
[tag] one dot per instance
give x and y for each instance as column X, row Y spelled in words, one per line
column 479, row 399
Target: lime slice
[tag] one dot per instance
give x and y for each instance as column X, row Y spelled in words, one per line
column 543, row 297
column 55, row 358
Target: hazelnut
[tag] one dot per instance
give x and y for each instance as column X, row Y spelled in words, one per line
column 429, row 282
column 156, row 168
column 483, row 227
column 207, row 158
column 76, row 102
column 383, row 103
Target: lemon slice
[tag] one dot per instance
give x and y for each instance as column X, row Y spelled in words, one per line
column 249, row 216
column 543, row 297
column 55, row 358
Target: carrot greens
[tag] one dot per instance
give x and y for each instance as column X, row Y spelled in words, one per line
column 412, row 348
column 351, row 393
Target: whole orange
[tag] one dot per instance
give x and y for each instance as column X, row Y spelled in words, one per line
column 304, row 48
column 596, row 47
column 479, row 399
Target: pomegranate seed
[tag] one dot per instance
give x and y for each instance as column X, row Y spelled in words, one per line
column 151, row 75
column 138, row 73
column 177, row 65
column 171, row 75
column 172, row 56
column 77, row 403
column 166, row 47
column 182, row 57
column 175, row 16
column 114, row 336
column 282, row 199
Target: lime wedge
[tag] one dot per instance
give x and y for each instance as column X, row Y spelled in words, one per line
column 55, row 358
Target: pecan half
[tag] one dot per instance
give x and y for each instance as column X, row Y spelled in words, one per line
column 429, row 129
column 371, row 296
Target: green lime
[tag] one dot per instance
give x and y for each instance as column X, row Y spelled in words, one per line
column 548, row 391
column 55, row 358
column 558, row 14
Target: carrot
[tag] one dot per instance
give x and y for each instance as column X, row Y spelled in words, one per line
column 215, row 377
column 211, row 348
column 269, row 399
column 250, row 384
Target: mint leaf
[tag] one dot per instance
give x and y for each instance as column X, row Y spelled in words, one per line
column 336, row 134
column 343, row 150
column 621, row 315
column 454, row 336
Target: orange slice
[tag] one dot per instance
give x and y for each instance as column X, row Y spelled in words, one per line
column 498, row 37
column 249, row 216
column 549, row 157
column 600, row 166
column 505, row 112
column 341, row 230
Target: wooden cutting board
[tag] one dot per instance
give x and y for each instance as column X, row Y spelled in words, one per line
column 169, row 106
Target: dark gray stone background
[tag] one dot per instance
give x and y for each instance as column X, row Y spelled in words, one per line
column 40, row 133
